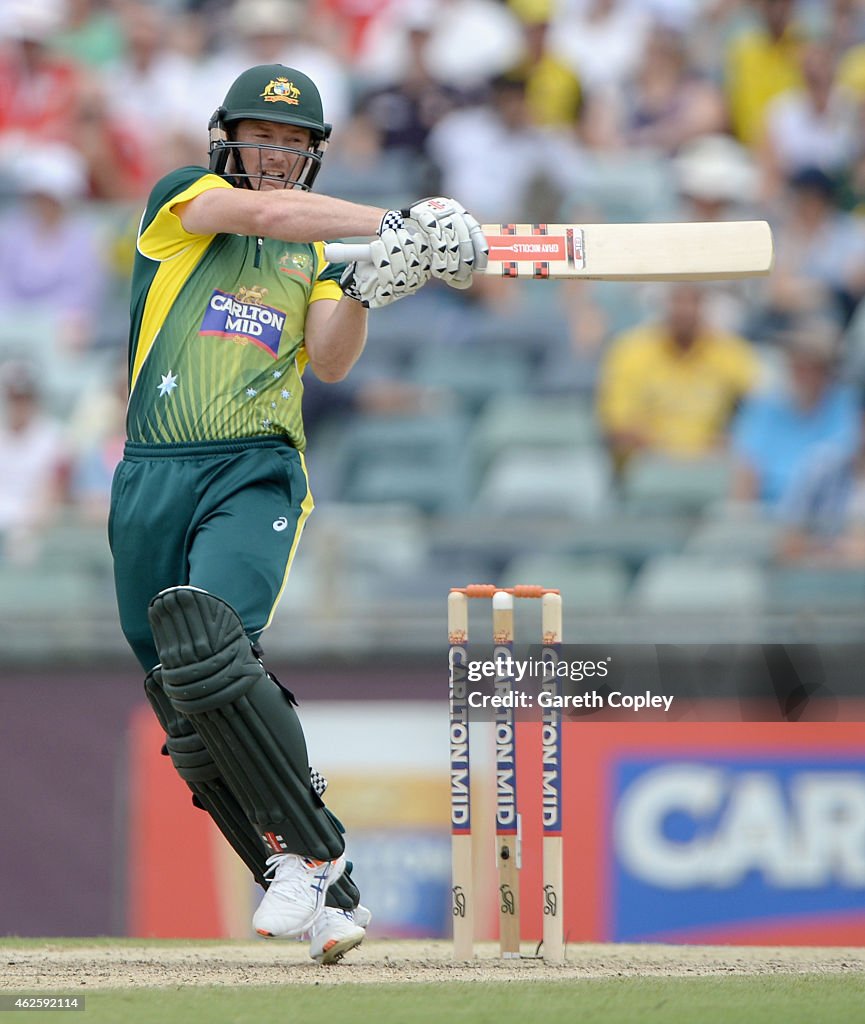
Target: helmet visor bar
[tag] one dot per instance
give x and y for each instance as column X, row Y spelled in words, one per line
column 283, row 166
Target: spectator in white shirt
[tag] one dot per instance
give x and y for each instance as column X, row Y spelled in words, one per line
column 32, row 463
column 816, row 125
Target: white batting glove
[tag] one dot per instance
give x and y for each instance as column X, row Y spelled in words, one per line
column 400, row 264
column 392, row 219
column 457, row 241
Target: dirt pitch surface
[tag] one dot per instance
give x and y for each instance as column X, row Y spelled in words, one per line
column 34, row 965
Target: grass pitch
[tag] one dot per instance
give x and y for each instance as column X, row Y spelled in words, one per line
column 136, row 982
column 809, row 999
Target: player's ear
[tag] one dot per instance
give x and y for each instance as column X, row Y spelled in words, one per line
column 321, row 145
column 317, row 147
column 218, row 139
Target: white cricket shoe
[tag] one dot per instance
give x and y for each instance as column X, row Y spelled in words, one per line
column 296, row 894
column 334, row 932
column 362, row 915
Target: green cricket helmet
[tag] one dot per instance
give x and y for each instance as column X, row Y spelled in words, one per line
column 269, row 92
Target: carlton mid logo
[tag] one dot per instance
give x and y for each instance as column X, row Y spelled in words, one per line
column 737, row 845
column 244, row 318
column 281, row 90
column 691, row 825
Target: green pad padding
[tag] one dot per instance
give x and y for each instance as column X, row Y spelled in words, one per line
column 245, row 720
column 343, row 894
column 197, row 768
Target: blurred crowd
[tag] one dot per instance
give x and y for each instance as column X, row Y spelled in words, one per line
column 527, row 111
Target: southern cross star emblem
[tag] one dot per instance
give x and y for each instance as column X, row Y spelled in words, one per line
column 169, row 383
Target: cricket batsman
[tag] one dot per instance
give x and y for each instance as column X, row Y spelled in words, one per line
column 232, row 301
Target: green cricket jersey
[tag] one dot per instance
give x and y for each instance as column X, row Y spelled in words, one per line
column 216, row 346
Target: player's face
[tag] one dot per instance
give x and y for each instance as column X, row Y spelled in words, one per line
column 269, row 166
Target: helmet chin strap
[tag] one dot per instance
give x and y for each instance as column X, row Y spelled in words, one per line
column 234, row 165
column 243, row 175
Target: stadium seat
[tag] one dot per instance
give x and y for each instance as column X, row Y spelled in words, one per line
column 754, row 540
column 390, row 538
column 399, row 331
column 633, row 539
column 660, row 484
column 508, row 422
column 76, row 546
column 800, row 588
column 26, row 590
column 473, row 371
column 687, row 583
column 419, row 460
column 520, row 328
column 622, row 187
column 536, row 480
column 591, row 584
column 393, row 181
column 309, row 586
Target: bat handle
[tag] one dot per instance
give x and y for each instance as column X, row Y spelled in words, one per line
column 347, row 252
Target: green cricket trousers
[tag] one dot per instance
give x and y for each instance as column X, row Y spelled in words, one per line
column 225, row 516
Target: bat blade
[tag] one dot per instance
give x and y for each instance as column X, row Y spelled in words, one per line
column 631, row 252
column 687, row 251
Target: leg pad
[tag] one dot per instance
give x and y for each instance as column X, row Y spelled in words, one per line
column 343, row 894
column 245, row 720
column 199, row 771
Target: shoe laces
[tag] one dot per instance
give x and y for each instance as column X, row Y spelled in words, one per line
column 289, row 871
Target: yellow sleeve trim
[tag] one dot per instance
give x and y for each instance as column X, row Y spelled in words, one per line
column 329, row 289
column 165, row 236
column 320, row 261
column 325, row 290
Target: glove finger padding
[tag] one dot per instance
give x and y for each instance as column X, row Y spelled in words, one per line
column 399, row 265
column 480, row 245
column 474, row 251
column 455, row 237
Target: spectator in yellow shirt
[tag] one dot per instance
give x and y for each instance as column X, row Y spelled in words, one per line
column 553, row 91
column 671, row 387
column 761, row 63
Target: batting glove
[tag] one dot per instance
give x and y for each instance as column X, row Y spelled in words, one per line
column 393, row 219
column 400, row 263
column 457, row 241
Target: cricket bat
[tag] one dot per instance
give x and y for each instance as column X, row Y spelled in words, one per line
column 616, row 252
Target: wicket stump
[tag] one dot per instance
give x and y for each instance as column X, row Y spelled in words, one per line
column 508, row 823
